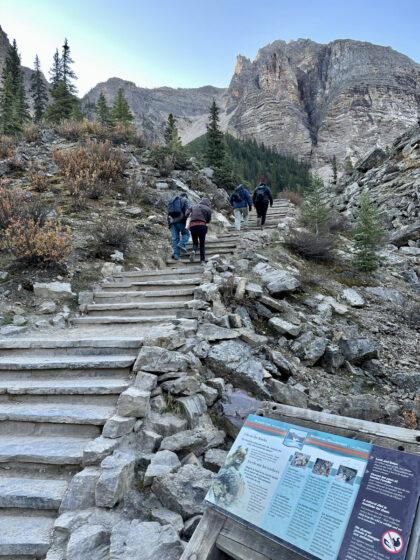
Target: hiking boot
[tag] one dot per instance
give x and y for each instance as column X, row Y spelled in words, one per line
column 182, row 247
column 192, row 256
column 203, row 263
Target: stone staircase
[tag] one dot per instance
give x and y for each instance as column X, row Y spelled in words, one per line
column 56, row 394
column 281, row 209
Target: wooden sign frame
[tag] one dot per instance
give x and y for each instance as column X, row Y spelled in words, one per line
column 219, row 537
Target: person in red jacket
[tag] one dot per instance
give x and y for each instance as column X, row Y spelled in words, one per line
column 200, row 216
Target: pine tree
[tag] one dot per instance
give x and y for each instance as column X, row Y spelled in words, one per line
column 316, row 211
column 348, row 165
column 215, row 154
column 62, row 106
column 76, row 112
column 38, row 91
column 65, row 104
column 103, row 111
column 171, row 135
column 334, row 169
column 13, row 106
column 367, row 235
column 56, row 70
column 120, row 112
column 67, row 72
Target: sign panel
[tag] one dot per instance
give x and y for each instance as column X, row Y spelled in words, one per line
column 322, row 495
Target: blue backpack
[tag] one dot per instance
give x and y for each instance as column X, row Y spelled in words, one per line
column 175, row 207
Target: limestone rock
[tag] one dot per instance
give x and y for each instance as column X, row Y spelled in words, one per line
column 47, row 307
column 185, row 490
column 118, row 426
column 309, row 347
column 165, row 336
column 52, row 290
column 155, row 541
column 286, row 394
column 278, row 282
column 162, row 463
column 233, row 359
column 114, row 482
column 364, row 407
column 159, row 360
column 353, row 298
column 214, row 459
column 88, row 541
column 97, row 449
column 133, row 403
column 284, row 327
column 167, row 517
column 234, row 409
column 407, row 381
column 81, row 491
column 212, row 332
column 358, row 350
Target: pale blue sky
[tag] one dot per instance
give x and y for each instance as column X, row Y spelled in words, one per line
column 191, row 43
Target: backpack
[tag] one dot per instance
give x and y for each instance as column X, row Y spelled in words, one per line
column 238, row 195
column 175, row 207
column 260, row 194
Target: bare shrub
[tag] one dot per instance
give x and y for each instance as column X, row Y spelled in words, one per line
column 112, row 233
column 32, row 132
column 35, row 243
column 14, row 164
column 7, row 146
column 74, row 130
column 126, row 133
column 134, row 189
column 310, row 246
column 92, row 169
column 38, row 179
column 167, row 159
column 292, row 196
column 11, row 200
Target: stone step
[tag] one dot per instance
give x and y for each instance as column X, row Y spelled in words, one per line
column 25, row 536
column 154, row 284
column 90, row 320
column 48, row 429
column 150, row 309
column 65, row 362
column 31, row 493
column 161, row 273
column 46, row 449
column 67, row 347
column 89, row 386
column 57, row 413
column 184, row 294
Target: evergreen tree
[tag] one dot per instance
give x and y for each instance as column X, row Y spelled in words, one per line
column 215, row 153
column 367, row 235
column 120, row 112
column 103, row 111
column 62, row 106
column 316, row 210
column 38, row 91
column 348, row 166
column 56, row 70
column 76, row 113
column 171, row 135
column 13, row 106
column 334, row 169
column 67, row 73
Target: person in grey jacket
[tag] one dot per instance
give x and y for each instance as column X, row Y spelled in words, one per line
column 200, row 216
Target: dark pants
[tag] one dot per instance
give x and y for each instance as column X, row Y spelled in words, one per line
column 261, row 208
column 198, row 234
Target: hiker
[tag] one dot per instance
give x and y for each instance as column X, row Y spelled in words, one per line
column 177, row 208
column 240, row 199
column 200, row 216
column 261, row 198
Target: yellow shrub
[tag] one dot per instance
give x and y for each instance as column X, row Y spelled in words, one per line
column 36, row 243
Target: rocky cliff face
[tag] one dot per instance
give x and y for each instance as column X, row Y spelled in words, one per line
column 314, row 101
column 151, row 107
column 309, row 100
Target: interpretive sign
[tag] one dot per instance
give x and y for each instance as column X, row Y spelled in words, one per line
column 324, row 496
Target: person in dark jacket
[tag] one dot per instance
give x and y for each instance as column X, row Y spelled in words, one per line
column 179, row 232
column 240, row 199
column 200, row 216
column 261, row 198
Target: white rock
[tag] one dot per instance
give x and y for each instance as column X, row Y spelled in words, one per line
column 53, row 290
column 47, row 307
column 353, row 298
column 117, row 256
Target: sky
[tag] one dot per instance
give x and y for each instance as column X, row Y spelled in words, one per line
column 192, row 43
